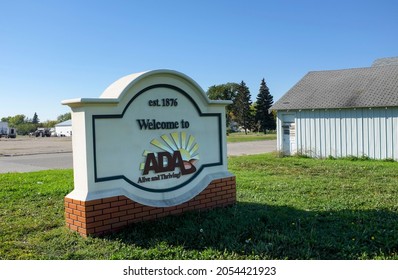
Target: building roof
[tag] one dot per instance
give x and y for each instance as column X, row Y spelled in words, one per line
column 375, row 86
column 386, row 61
column 65, row 123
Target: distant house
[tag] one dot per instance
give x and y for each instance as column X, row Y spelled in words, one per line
column 64, row 128
column 340, row 113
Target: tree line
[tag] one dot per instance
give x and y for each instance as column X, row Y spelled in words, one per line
column 25, row 125
column 242, row 112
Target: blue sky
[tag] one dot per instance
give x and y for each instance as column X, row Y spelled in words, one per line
column 56, row 50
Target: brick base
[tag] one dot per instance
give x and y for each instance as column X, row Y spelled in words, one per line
column 100, row 216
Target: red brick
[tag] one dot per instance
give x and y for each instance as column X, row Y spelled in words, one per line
column 119, row 214
column 93, row 213
column 200, row 206
column 73, row 227
column 77, row 223
column 156, row 211
column 126, row 217
column 222, row 201
column 102, row 217
column 227, row 196
column 102, row 206
column 206, row 191
column 149, row 217
column 216, row 181
column 94, row 225
column 176, row 211
column 110, row 210
column 82, row 231
column 147, row 208
column 81, row 219
column 72, row 206
column 135, row 210
column 189, row 208
column 129, row 201
column 211, row 204
column 111, row 221
column 181, row 206
column 170, row 208
column 193, row 202
column 73, row 216
column 211, row 195
column 90, row 231
column 141, row 214
column 222, row 184
column 119, row 224
column 228, row 178
column 103, row 229
column 84, row 214
column 92, row 202
column 67, row 199
column 69, row 221
column 127, row 207
column 118, row 203
column 90, row 220
column 110, row 199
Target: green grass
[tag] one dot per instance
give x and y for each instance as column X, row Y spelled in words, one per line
column 242, row 137
column 288, row 208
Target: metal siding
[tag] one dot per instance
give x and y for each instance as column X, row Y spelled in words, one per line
column 359, row 133
column 348, row 142
column 327, row 134
column 299, row 135
column 279, row 132
column 365, row 121
column 340, row 133
column 318, row 133
column 343, row 137
column 394, row 144
column 389, row 133
column 312, row 135
column 332, row 134
column 377, row 136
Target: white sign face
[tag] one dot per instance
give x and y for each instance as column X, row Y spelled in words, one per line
column 162, row 148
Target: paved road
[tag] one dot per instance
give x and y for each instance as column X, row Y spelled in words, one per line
column 28, row 163
column 251, row 148
column 63, row 160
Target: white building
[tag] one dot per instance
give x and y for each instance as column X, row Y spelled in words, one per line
column 64, row 128
column 340, row 113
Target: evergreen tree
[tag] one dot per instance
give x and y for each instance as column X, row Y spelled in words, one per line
column 242, row 106
column 35, row 119
column 264, row 101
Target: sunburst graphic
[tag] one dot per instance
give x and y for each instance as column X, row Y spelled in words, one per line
column 177, row 141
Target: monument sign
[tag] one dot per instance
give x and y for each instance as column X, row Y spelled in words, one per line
column 153, row 142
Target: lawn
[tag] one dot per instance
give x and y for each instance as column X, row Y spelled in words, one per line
column 242, row 137
column 288, row 208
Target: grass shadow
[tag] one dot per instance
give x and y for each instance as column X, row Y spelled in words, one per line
column 258, row 231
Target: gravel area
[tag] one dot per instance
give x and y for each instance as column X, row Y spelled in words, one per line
column 23, row 145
